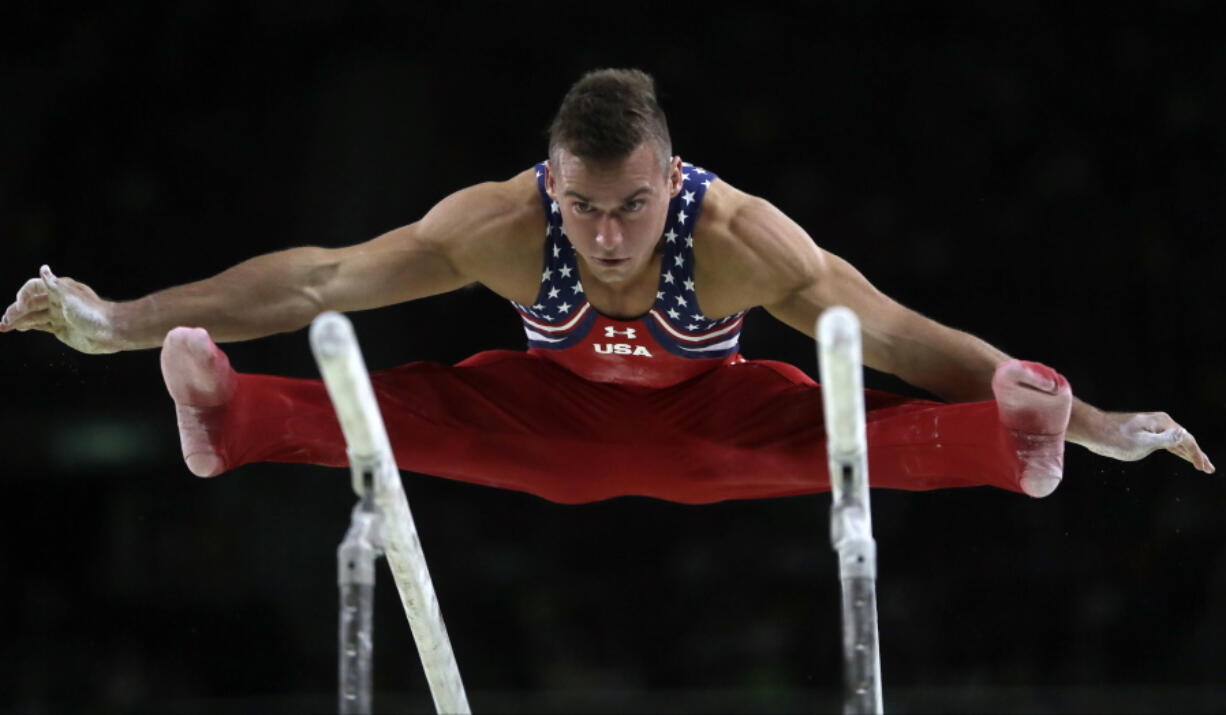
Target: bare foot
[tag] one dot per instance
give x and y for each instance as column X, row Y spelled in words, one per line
column 201, row 382
column 1035, row 402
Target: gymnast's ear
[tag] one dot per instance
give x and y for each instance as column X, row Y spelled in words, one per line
column 675, row 182
column 549, row 182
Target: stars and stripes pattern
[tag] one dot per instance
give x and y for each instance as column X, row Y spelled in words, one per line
column 562, row 316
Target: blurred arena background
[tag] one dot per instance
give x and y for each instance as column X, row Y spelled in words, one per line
column 1048, row 179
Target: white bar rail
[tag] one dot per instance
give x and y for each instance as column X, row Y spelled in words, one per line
column 851, row 522
column 370, row 455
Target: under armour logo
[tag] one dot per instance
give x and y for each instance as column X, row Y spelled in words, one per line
column 610, row 331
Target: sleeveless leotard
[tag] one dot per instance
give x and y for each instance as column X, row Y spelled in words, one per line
column 672, row 343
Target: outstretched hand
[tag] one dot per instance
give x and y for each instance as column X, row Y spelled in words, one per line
column 68, row 309
column 1130, row 436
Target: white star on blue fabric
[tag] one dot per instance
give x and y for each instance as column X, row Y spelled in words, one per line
column 675, row 297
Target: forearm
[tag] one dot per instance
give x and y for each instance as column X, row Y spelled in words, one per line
column 951, row 364
column 958, row 367
column 1086, row 423
column 274, row 293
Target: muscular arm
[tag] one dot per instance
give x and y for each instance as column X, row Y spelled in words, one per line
column 949, row 363
column 274, row 293
column 795, row 281
column 784, row 271
column 282, row 291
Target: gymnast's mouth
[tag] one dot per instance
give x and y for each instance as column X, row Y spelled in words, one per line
column 610, row 261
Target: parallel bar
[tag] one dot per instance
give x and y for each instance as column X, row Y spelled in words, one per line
column 355, row 577
column 370, row 455
column 851, row 523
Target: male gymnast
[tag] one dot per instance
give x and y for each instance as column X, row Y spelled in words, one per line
column 632, row 272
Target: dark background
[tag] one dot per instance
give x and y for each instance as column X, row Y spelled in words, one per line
column 1050, row 181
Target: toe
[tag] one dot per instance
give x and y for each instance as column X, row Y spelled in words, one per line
column 1032, row 375
column 197, row 373
column 1039, row 485
column 205, row 464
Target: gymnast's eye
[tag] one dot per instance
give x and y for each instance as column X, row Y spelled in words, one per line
column 635, row 205
column 583, row 207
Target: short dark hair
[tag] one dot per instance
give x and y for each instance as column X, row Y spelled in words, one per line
column 607, row 114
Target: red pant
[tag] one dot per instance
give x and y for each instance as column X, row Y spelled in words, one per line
column 515, row 421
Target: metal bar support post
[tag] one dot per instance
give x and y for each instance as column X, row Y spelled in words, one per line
column 355, row 577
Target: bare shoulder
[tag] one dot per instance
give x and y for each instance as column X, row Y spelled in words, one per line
column 748, row 253
column 493, row 233
column 487, row 213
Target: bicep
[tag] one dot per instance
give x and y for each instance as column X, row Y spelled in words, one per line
column 401, row 265
column 795, row 280
column 431, row 256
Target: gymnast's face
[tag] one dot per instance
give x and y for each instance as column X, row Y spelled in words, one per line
column 614, row 213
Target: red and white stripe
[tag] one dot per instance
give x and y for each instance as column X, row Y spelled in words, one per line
column 721, row 331
column 561, row 328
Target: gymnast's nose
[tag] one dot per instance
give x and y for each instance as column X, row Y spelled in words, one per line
column 609, row 234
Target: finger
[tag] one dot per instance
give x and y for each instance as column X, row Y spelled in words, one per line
column 1192, row 452
column 49, row 278
column 31, row 296
column 1184, row 446
column 1183, row 451
column 38, row 320
column 27, row 302
column 32, row 287
column 31, row 301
